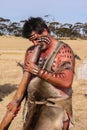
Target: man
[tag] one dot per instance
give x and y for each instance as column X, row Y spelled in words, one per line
column 49, row 87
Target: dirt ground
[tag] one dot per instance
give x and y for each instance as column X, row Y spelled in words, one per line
column 12, row 51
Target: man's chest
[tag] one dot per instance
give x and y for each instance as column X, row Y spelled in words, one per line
column 44, row 60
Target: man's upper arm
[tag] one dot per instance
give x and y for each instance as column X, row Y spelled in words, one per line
column 64, row 59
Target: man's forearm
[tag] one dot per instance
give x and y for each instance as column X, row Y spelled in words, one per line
column 62, row 79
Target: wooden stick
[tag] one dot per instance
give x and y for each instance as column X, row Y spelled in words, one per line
column 5, row 123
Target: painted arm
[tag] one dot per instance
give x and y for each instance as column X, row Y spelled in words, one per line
column 62, row 79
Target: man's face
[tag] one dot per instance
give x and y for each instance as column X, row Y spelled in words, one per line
column 42, row 38
column 34, row 37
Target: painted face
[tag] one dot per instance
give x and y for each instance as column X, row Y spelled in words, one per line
column 34, row 38
column 39, row 39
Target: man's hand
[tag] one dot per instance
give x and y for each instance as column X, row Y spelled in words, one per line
column 32, row 68
column 44, row 40
column 13, row 108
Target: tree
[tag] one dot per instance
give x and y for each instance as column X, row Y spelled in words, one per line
column 77, row 29
column 4, row 26
column 85, row 29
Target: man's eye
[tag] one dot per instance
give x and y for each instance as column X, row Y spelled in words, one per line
column 35, row 39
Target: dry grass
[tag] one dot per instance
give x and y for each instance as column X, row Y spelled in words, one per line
column 13, row 50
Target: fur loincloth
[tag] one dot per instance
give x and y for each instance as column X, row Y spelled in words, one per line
column 40, row 91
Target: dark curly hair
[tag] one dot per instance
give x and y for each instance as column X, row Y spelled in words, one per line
column 33, row 24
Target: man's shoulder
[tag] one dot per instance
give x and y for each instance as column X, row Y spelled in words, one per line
column 31, row 48
column 66, row 45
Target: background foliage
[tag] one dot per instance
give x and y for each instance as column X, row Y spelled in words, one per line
column 59, row 30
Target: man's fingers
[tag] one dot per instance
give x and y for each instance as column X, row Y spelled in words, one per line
column 32, row 69
column 44, row 39
column 31, row 65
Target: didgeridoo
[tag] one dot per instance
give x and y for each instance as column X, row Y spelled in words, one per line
column 7, row 119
